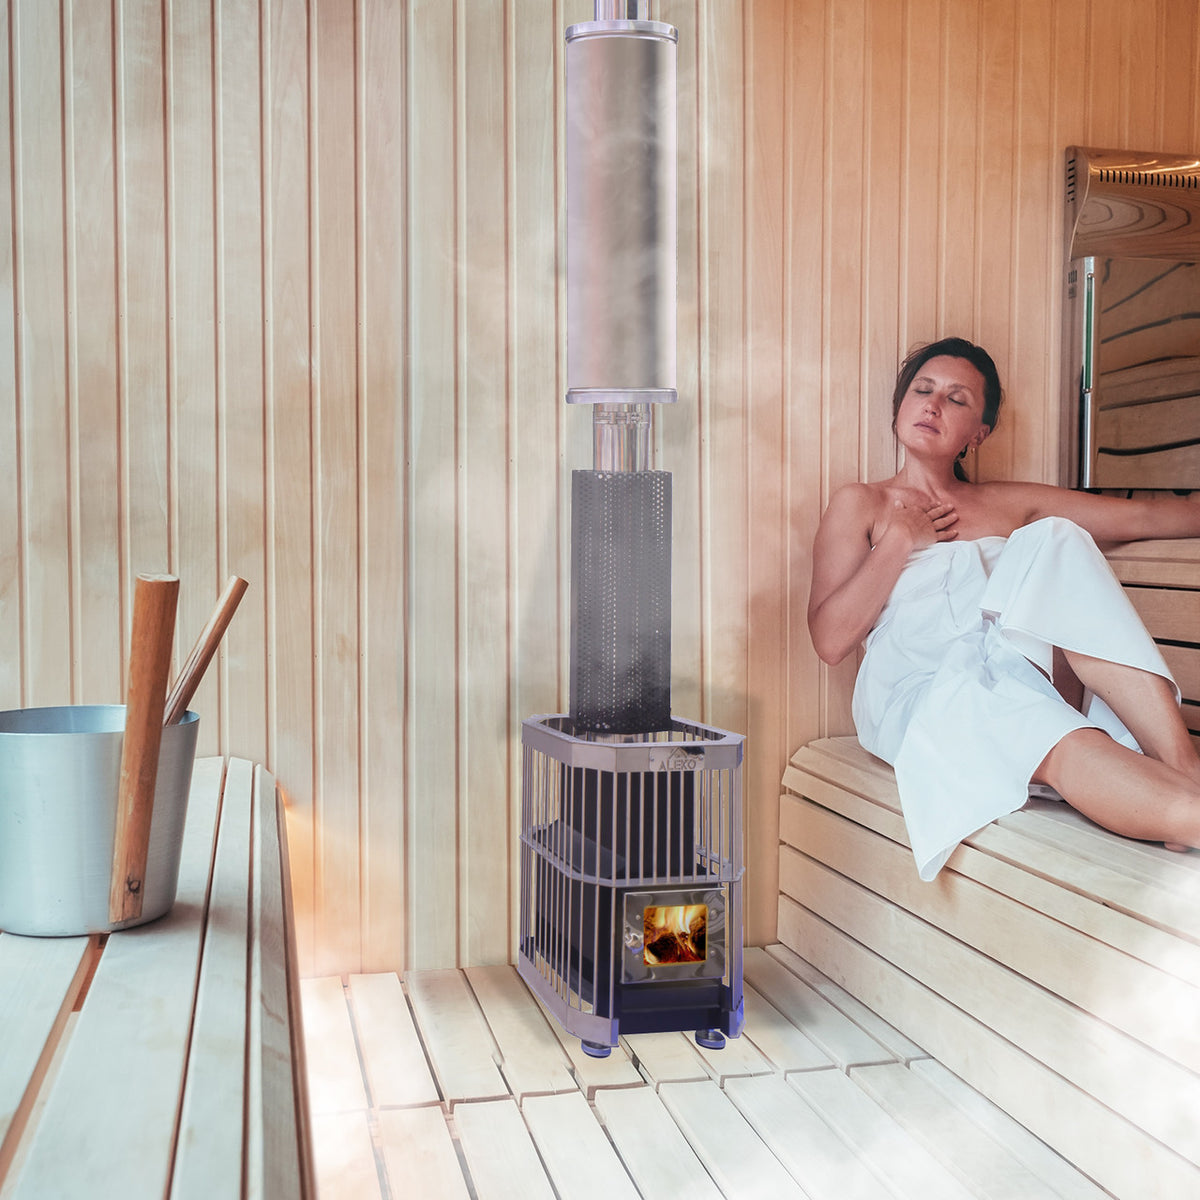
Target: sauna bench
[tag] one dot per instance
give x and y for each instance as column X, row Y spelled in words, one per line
column 166, row 1059
column 1163, row 581
column 1053, row 966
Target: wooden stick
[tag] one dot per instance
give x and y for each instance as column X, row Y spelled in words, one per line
column 202, row 652
column 154, row 602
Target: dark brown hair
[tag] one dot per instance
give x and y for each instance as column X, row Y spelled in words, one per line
column 952, row 347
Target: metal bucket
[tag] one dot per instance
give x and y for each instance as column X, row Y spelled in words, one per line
column 59, row 774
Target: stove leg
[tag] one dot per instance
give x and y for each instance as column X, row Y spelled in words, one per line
column 710, row 1039
column 595, row 1049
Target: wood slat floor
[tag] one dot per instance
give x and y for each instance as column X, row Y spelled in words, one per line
column 459, row 1084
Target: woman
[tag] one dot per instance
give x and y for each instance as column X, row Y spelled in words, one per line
column 991, row 620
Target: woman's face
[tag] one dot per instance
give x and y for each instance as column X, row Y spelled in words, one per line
column 942, row 411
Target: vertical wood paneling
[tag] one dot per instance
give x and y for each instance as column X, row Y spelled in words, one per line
column 290, row 585
column 336, row 400
column 768, row 73
column 535, row 402
column 241, row 499
column 382, row 337
column 991, row 309
column 678, row 424
column 192, row 208
column 723, row 88
column 142, row 253
column 432, row 650
column 43, row 434
column 282, row 296
column 881, row 199
column 488, row 837
column 13, row 664
column 92, row 333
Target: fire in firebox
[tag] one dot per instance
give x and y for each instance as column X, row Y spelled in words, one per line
column 675, row 933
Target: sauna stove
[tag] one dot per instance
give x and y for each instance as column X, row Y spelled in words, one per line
column 631, row 819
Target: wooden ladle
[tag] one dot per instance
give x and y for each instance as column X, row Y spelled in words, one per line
column 154, row 601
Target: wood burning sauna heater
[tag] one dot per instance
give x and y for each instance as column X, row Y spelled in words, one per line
column 631, row 819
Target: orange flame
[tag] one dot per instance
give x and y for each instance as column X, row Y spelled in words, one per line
column 675, row 933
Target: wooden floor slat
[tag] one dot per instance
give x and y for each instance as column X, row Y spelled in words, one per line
column 652, row 1146
column 417, row 1149
column 1059, row 1178
column 456, row 1036
column 579, row 1158
column 808, row 1103
column 532, row 1060
column 500, row 1153
column 910, row 1169
column 397, row 1071
column 847, row 1043
column 727, row 1144
column 827, row 1167
column 344, row 1156
column 331, row 1050
column 946, row 1131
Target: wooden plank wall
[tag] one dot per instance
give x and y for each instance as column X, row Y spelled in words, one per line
column 281, row 296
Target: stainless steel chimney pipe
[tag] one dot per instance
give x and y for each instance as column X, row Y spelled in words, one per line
column 621, row 225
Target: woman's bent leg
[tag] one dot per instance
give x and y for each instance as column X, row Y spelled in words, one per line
column 1146, row 705
column 1129, row 793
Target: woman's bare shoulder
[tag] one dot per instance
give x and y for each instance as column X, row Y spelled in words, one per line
column 861, row 499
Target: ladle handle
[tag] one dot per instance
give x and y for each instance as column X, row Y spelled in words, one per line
column 154, row 601
column 202, row 652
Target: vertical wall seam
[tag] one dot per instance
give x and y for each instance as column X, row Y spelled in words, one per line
column 221, row 362
column 170, row 397
column 362, row 507
column 459, row 443
column 511, row 792
column 70, row 366
column 316, row 399
column 121, row 263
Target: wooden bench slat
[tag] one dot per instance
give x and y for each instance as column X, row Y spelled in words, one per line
column 276, row 1083
column 499, row 1151
column 1172, row 614
column 1151, row 863
column 397, row 1071
column 208, row 1160
column 1105, row 1063
column 40, row 979
column 1088, row 973
column 118, row 1093
column 579, row 1158
column 1065, row 853
column 532, row 1059
column 1114, row 1152
column 659, row 1157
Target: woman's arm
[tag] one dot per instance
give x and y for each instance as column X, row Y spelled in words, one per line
column 861, row 546
column 1114, row 518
